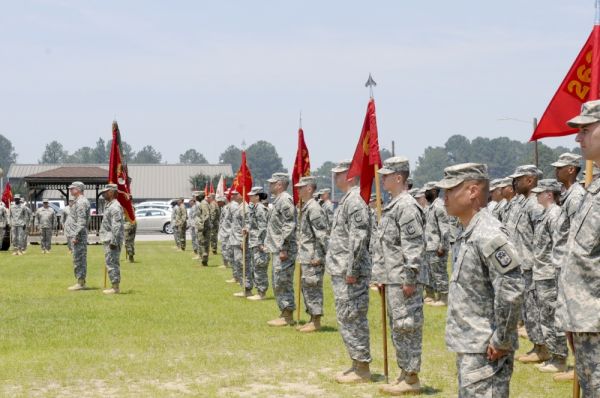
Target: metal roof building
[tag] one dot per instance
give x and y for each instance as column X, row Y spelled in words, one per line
column 148, row 181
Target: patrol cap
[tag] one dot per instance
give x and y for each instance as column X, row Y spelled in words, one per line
column 568, row 159
column 255, row 191
column 420, row 193
column 233, row 191
column 276, row 177
column 221, row 199
column 504, row 182
column 324, row 190
column 45, row 201
column 78, row 185
column 342, row 166
column 195, row 193
column 548, row 184
column 590, row 113
column 109, row 187
column 304, row 181
column 17, row 196
column 413, row 191
column 527, row 170
column 454, row 175
column 494, row 184
column 394, row 165
column 430, row 185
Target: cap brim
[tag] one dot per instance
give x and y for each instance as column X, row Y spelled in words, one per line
column 558, row 164
column 538, row 190
column 300, row 185
column 448, row 183
column 384, row 171
column 579, row 121
column 103, row 190
column 340, row 169
column 271, row 180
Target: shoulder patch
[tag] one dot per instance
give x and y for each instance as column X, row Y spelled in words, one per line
column 504, row 259
column 358, row 217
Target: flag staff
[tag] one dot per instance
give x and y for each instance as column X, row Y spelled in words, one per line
column 298, row 264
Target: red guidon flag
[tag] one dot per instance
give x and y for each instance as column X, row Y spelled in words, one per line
column 243, row 179
column 302, row 163
column 366, row 156
column 575, row 89
column 117, row 174
column 7, row 195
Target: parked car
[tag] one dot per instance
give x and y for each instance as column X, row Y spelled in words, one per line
column 153, row 205
column 154, row 220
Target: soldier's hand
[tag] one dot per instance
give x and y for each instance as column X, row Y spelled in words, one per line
column 261, row 248
column 112, row 246
column 441, row 252
column 244, row 231
column 494, row 354
column 74, row 241
column 570, row 340
column 408, row 290
column 351, row 280
column 283, row 255
column 315, row 262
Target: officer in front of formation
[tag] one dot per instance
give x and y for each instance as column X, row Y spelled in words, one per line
column 45, row 218
column 111, row 236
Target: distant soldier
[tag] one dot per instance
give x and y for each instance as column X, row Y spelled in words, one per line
column 398, row 252
column 327, row 204
column 256, row 226
column 215, row 215
column 513, row 201
column 130, row 230
column 201, row 223
column 76, row 230
column 313, row 239
column 349, row 264
column 45, row 218
column 111, row 235
column 281, row 243
column 18, row 222
column 495, row 195
column 181, row 222
column 192, row 212
column 502, row 185
column 63, row 220
column 3, row 221
column 238, row 241
column 224, row 230
column 420, row 198
column 29, row 221
column 174, row 226
column 486, row 288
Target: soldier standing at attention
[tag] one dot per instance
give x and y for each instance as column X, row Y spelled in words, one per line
column 281, row 243
column 349, row 264
column 18, row 223
column 223, row 229
column 578, row 311
column 181, row 216
column 313, row 238
column 256, row 228
column 398, row 252
column 326, row 204
column 111, row 235
column 45, row 217
column 3, row 221
column 203, row 227
column 64, row 217
column 130, row 229
column 215, row 214
column 486, row 288
column 174, row 226
column 237, row 239
column 76, row 231
column 193, row 211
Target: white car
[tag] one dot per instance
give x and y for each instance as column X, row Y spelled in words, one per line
column 154, row 220
column 149, row 205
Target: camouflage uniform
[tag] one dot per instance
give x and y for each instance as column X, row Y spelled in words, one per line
column 398, row 253
column 313, row 238
column 76, row 229
column 348, row 255
column 215, row 214
column 193, row 211
column 257, row 229
column 499, row 209
column 180, row 215
column 437, row 235
column 281, row 236
column 18, row 223
column 46, row 220
column 202, row 225
column 240, row 264
column 111, row 235
column 3, row 221
column 130, row 230
column 329, row 210
column 63, row 220
column 174, row 226
column 224, row 232
column 29, row 219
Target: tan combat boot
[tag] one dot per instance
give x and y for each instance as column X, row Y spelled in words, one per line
column 442, row 301
column 533, row 349
column 131, row 259
column 257, row 297
column 522, row 332
column 569, row 375
column 245, row 293
column 360, row 373
column 429, row 296
column 232, row 280
column 285, row 319
column 16, row 253
column 554, row 365
column 407, row 383
column 80, row 285
column 540, row 354
column 113, row 290
column 312, row 326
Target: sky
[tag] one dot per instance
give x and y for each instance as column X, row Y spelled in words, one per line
column 205, row 75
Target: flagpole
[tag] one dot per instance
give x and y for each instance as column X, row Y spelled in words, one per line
column 298, row 263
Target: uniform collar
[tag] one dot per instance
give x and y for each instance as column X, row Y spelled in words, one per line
column 472, row 224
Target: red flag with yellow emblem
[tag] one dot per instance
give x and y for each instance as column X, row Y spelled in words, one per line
column 302, row 163
column 7, row 195
column 243, row 179
column 366, row 156
column 117, row 174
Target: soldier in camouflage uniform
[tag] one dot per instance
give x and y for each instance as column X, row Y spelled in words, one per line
column 512, row 201
column 544, row 275
column 192, row 212
column 215, row 214
column 256, row 228
column 224, row 232
column 45, row 217
column 130, row 230
column 3, row 221
column 29, row 219
column 399, row 249
column 76, row 231
column 502, row 184
column 174, row 226
column 486, row 288
column 203, row 226
column 18, row 223
column 313, row 238
column 238, row 241
column 495, row 195
column 281, row 243
column 180, row 221
column 522, row 227
column 111, row 236
column 327, row 204
column 63, row 220
column 349, row 264
column 578, row 310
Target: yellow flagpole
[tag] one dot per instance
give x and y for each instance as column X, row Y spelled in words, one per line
column 244, row 239
column 382, row 290
column 299, row 294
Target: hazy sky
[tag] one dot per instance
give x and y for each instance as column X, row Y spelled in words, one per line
column 181, row 74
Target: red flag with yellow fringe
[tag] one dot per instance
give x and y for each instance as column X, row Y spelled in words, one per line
column 117, row 174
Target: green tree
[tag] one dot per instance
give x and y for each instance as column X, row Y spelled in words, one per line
column 430, row 166
column 323, row 174
column 198, row 182
column 7, row 153
column 385, row 154
column 192, row 156
column 233, row 156
column 54, row 153
column 263, row 161
column 84, row 155
column 126, row 150
column 100, row 153
column 147, row 155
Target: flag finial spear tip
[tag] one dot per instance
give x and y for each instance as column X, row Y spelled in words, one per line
column 300, row 119
column 370, row 84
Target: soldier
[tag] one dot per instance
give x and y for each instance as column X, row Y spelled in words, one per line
column 578, row 310
column 3, row 221
column 180, row 218
column 522, row 228
column 76, row 231
column 202, row 224
column 130, row 230
column 29, row 221
column 437, row 235
column 64, row 217
column 420, row 198
column 501, row 185
column 327, row 204
column 18, row 222
column 486, row 288
column 174, row 226
column 495, row 195
column 512, row 200
column 313, row 238
column 215, row 214
column 349, row 264
column 192, row 212
column 238, row 241
column 256, row 227
column 544, row 275
column 224, row 232
column 111, row 235
column 399, row 249
column 45, row 217
column 281, row 243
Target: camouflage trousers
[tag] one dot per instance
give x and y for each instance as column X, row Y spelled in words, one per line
column 113, row 264
column 351, row 307
column 194, row 239
column 239, row 266
column 19, row 238
column 283, row 281
column 46, row 238
column 80, row 256
column 69, row 244
column 227, row 254
column 587, row 363
column 201, row 244
column 312, row 288
column 176, row 235
column 260, row 266
column 181, row 232
column 130, row 232
column 213, row 238
column 438, row 271
column 530, row 310
column 546, row 294
column 406, row 323
column 479, row 378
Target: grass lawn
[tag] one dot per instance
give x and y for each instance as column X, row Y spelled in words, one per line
column 178, row 331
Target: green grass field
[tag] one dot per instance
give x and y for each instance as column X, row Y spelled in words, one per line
column 177, row 331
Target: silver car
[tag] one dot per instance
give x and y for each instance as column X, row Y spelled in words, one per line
column 154, row 220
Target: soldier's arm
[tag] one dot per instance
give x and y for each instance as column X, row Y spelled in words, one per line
column 319, row 226
column 81, row 223
column 444, row 226
column 358, row 234
column 261, row 222
column 116, row 222
column 288, row 225
column 412, row 242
